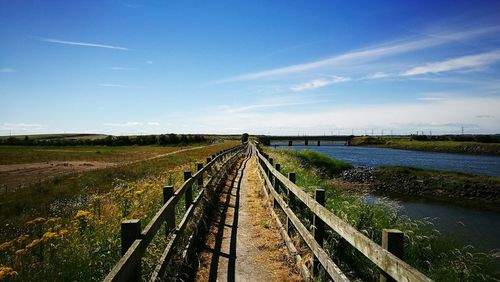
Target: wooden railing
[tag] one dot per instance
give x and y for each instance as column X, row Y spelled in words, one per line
column 134, row 241
column 385, row 256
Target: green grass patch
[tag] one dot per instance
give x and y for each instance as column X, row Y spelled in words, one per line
column 320, row 161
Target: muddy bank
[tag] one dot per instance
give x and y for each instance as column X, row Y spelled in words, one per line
column 458, row 188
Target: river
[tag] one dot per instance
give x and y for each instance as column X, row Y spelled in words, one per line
column 376, row 157
column 475, row 227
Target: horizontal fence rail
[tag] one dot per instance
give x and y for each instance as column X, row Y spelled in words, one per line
column 134, row 241
column 384, row 257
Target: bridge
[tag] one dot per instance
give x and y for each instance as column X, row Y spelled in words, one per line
column 219, row 188
column 313, row 140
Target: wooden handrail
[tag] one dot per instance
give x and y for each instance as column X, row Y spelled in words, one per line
column 387, row 262
column 125, row 268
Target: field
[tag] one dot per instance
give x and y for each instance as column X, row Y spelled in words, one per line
column 21, row 166
column 462, row 147
column 45, row 224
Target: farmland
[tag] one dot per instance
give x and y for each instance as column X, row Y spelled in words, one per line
column 45, row 223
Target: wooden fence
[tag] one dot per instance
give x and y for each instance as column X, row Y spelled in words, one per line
column 134, row 241
column 287, row 196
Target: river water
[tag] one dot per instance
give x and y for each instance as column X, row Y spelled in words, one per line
column 478, row 228
column 376, row 157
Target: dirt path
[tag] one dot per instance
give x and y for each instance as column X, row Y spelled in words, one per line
column 243, row 243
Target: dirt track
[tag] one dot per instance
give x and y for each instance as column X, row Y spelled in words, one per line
column 243, row 243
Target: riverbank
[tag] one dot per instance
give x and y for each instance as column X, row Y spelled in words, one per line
column 441, row 257
column 466, row 190
column 405, row 143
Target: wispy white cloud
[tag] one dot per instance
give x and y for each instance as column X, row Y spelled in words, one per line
column 120, row 68
column 461, row 63
column 125, row 124
column 377, row 75
column 7, row 70
column 442, row 116
column 132, row 124
column 85, row 44
column 20, row 127
column 317, row 83
column 367, row 54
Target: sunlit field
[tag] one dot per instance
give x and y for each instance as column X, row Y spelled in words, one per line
column 67, row 228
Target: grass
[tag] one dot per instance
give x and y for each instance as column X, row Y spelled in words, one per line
column 327, row 165
column 464, row 147
column 441, row 258
column 68, row 229
column 34, row 154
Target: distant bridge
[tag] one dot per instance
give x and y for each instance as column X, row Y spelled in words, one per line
column 305, row 140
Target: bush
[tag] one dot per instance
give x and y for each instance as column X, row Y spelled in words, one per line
column 244, row 137
column 324, row 163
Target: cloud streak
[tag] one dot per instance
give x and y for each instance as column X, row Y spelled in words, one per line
column 367, row 54
column 84, row 44
column 318, row 83
column 461, row 63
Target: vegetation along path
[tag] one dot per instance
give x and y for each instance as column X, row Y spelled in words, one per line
column 243, row 243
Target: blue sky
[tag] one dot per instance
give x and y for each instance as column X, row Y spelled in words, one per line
column 263, row 67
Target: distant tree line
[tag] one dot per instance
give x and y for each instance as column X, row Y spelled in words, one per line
column 470, row 138
column 163, row 139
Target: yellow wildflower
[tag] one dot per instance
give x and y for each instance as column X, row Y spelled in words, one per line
column 33, row 244
column 53, row 220
column 81, row 214
column 36, row 220
column 49, row 235
column 139, row 192
column 6, row 245
column 63, row 232
column 20, row 252
column 6, row 272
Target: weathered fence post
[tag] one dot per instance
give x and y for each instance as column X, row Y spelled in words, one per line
column 270, row 173
column 276, row 180
column 130, row 231
column 291, row 202
column 392, row 241
column 188, row 196
column 319, row 228
column 290, row 143
column 168, row 193
column 319, row 143
column 199, row 166
column 209, row 160
column 276, row 184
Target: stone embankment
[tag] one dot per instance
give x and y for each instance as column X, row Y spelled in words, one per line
column 459, row 188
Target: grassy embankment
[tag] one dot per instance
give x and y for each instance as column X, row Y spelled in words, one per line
column 459, row 188
column 67, row 229
column 405, row 143
column 439, row 257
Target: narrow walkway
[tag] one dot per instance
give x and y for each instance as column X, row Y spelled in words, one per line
column 243, row 243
